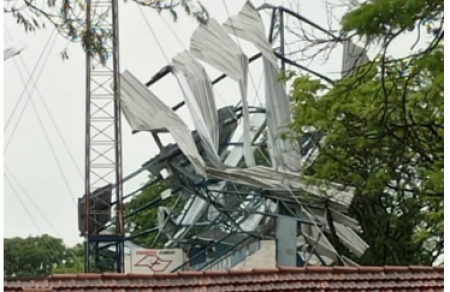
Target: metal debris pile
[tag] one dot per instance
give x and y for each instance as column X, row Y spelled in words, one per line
column 233, row 193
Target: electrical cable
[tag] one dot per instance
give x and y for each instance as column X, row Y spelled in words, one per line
column 75, row 258
column 153, row 34
column 49, row 142
column 11, row 174
column 22, row 203
column 46, row 108
column 29, row 98
column 66, row 182
column 22, row 189
column 24, row 90
column 29, row 214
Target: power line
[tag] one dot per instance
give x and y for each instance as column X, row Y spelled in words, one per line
column 46, row 107
column 75, row 258
column 61, row 170
column 26, row 103
column 28, row 213
column 12, row 175
column 49, row 142
column 29, row 198
column 22, row 203
column 24, row 90
column 154, row 35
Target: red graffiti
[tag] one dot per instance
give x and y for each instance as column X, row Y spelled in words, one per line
column 152, row 261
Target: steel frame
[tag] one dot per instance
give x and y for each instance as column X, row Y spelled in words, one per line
column 276, row 26
column 278, row 15
column 103, row 149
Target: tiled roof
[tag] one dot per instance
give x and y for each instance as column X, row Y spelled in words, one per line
column 323, row 279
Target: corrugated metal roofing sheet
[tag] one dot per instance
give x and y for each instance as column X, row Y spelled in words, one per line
column 283, row 279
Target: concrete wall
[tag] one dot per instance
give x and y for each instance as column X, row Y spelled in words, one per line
column 127, row 263
column 170, row 259
column 265, row 257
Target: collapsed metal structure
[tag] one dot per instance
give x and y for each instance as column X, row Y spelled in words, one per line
column 234, row 194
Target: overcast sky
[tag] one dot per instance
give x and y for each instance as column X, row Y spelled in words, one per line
column 61, row 84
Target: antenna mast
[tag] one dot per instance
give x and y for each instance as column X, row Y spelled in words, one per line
column 103, row 157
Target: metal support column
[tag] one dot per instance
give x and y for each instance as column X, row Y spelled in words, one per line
column 103, row 157
column 272, row 25
column 282, row 42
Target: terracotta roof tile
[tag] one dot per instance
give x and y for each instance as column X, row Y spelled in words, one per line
column 270, row 271
column 421, row 268
column 369, row 269
column 396, row 269
column 310, row 279
column 319, row 269
column 212, row 272
column 345, row 270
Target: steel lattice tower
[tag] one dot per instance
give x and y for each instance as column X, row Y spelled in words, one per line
column 103, row 156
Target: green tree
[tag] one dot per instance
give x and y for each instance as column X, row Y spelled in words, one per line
column 384, row 131
column 140, row 220
column 34, row 256
column 45, row 255
column 74, row 261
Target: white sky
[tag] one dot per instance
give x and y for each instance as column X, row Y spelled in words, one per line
column 62, row 86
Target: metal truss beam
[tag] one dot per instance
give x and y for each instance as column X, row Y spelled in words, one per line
column 103, row 149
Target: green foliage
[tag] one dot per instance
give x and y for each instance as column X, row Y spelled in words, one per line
column 384, row 130
column 40, row 256
column 147, row 218
column 384, row 18
column 45, row 255
column 74, row 262
column 69, row 18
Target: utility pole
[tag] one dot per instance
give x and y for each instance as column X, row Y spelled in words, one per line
column 103, row 152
